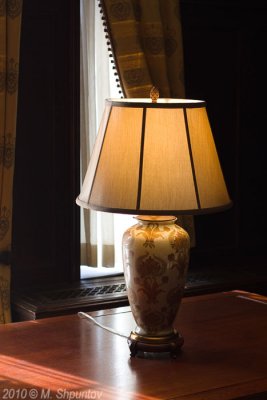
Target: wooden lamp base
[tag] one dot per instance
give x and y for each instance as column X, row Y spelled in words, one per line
column 155, row 344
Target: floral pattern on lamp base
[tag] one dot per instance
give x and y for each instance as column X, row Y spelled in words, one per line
column 155, row 258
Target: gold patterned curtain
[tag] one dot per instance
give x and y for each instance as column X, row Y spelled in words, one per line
column 10, row 19
column 145, row 39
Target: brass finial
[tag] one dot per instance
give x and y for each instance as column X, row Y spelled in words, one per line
column 154, row 94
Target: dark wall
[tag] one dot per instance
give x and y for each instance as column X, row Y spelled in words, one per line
column 224, row 46
column 45, row 223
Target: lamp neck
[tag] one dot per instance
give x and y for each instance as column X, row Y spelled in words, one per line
column 158, row 219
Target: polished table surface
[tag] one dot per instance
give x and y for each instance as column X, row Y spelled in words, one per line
column 224, row 355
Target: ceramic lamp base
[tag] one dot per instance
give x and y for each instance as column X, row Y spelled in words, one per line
column 157, row 344
column 155, row 259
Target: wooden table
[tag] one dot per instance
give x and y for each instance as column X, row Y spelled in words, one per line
column 224, row 355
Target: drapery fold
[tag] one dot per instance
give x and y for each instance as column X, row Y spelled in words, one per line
column 10, row 22
column 145, row 40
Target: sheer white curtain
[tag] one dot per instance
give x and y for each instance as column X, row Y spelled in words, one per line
column 100, row 232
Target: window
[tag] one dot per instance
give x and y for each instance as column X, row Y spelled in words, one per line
column 101, row 233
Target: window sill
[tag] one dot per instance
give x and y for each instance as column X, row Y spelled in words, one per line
column 100, row 272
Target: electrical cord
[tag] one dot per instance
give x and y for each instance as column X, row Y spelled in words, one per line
column 91, row 319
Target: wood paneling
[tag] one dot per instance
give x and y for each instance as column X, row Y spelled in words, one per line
column 45, row 224
column 223, row 45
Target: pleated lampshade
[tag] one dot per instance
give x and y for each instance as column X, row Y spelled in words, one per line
column 155, row 159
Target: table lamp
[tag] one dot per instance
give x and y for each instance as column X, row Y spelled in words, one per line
column 155, row 158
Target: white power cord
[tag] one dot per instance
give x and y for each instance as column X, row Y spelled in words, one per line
column 84, row 315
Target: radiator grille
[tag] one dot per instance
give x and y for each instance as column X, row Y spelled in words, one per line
column 90, row 295
column 86, row 292
column 115, row 289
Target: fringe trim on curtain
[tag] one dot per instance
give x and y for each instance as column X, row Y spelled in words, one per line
column 110, row 47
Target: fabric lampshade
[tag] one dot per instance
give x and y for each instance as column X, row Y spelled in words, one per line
column 155, row 159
